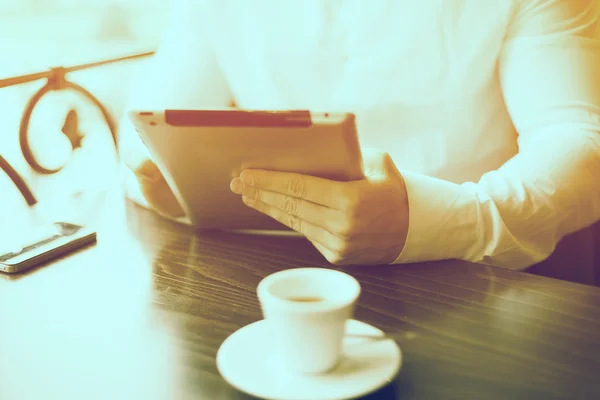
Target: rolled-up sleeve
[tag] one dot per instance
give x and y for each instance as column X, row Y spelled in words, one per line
column 513, row 217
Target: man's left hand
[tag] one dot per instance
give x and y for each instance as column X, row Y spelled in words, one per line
column 358, row 222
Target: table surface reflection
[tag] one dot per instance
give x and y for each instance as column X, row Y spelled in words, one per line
column 142, row 314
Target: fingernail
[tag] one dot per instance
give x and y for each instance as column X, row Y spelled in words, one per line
column 236, row 186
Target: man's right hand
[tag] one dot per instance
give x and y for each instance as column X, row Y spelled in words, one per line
column 155, row 189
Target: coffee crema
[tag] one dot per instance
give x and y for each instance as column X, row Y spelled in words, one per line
column 305, row 299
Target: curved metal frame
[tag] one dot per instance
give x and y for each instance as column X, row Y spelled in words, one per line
column 18, row 181
column 56, row 80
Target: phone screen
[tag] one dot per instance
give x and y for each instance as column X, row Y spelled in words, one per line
column 38, row 242
column 16, row 243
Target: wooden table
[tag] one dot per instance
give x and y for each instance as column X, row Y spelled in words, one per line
column 142, row 314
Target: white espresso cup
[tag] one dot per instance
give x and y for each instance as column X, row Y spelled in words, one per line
column 306, row 310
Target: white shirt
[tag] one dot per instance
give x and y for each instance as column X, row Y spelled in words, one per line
column 490, row 109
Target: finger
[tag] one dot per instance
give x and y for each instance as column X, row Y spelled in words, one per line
column 160, row 197
column 317, row 190
column 306, row 228
column 147, row 170
column 153, row 185
column 134, row 156
column 331, row 256
column 324, row 217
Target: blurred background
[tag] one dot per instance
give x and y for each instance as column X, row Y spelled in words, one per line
column 36, row 35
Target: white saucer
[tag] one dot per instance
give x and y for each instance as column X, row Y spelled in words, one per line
column 367, row 365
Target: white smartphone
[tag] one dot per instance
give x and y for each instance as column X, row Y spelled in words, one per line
column 200, row 151
column 38, row 245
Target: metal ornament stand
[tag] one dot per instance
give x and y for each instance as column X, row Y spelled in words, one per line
column 56, row 80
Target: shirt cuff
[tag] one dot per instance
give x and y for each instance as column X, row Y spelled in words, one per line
column 443, row 220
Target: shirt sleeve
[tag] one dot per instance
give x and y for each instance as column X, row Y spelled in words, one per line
column 513, row 217
column 183, row 73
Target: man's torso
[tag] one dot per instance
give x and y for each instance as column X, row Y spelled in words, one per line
column 421, row 76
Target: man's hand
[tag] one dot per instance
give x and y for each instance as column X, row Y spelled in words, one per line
column 360, row 222
column 154, row 187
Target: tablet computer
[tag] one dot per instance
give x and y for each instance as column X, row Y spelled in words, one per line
column 199, row 152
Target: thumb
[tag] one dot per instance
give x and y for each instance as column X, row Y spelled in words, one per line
column 147, row 171
column 140, row 163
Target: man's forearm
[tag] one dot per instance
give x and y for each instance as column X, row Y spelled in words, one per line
column 514, row 216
